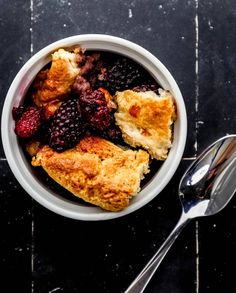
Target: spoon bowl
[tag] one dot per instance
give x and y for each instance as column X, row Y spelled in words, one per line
column 205, row 189
column 209, row 182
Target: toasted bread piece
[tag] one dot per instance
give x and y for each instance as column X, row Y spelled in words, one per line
column 54, row 84
column 97, row 171
column 145, row 120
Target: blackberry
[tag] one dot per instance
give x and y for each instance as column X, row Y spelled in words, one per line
column 66, row 128
column 113, row 133
column 122, row 74
column 147, row 87
column 95, row 110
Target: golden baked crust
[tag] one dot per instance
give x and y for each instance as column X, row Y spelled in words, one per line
column 145, row 120
column 54, row 84
column 97, row 171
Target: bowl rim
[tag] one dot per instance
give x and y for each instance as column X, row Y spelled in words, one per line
column 53, row 204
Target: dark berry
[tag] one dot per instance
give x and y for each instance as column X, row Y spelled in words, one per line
column 66, row 128
column 113, row 133
column 43, row 134
column 147, row 87
column 95, row 110
column 121, row 75
column 28, row 122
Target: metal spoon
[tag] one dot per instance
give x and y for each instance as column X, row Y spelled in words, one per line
column 205, row 189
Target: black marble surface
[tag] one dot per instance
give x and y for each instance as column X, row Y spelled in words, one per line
column 44, row 252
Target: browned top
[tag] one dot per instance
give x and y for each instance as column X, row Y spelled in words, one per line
column 52, row 85
column 145, row 120
column 97, row 171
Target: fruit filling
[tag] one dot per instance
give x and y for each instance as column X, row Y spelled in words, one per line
column 60, row 113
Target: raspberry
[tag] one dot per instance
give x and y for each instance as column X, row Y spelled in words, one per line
column 95, row 109
column 66, row 128
column 121, row 74
column 28, row 121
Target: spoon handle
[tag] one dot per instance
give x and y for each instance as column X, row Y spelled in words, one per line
column 141, row 281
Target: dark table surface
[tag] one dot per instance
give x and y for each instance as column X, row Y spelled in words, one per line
column 43, row 252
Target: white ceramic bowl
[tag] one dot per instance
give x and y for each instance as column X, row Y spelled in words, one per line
column 21, row 167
